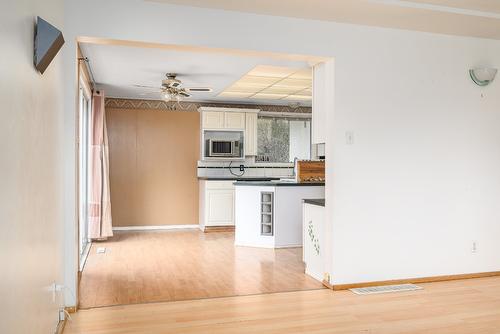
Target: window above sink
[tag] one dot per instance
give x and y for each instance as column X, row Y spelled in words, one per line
column 282, row 139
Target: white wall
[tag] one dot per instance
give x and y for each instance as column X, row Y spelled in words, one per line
column 421, row 182
column 300, row 140
column 30, row 183
column 423, row 176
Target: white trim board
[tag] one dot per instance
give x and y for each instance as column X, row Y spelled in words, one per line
column 268, row 246
column 440, row 8
column 85, row 255
column 153, row 228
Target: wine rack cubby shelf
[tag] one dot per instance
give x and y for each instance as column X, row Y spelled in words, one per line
column 266, row 213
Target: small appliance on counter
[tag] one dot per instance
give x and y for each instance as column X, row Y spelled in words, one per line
column 309, row 171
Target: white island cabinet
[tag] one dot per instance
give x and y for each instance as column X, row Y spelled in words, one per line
column 269, row 214
column 314, row 232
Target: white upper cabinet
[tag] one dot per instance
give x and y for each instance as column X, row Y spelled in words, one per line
column 251, row 134
column 234, row 120
column 322, row 103
column 213, row 120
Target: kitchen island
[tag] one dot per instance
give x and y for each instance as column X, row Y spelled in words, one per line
column 216, row 200
column 269, row 213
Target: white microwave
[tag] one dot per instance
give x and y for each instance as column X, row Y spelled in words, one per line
column 224, row 148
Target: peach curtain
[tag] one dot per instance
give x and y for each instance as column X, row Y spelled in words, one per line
column 100, row 222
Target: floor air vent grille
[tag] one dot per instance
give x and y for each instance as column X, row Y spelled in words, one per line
column 385, row 289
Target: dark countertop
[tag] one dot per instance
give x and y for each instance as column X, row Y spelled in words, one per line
column 235, row 178
column 315, row 201
column 277, row 184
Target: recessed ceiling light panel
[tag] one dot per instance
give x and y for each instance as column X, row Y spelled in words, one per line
column 298, row 98
column 296, row 83
column 302, row 74
column 272, row 71
column 235, row 95
column 273, row 83
column 264, row 96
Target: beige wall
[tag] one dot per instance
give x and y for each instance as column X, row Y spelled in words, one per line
column 153, row 157
column 31, row 125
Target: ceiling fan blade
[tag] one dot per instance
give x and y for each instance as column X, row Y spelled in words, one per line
column 198, row 89
column 184, row 93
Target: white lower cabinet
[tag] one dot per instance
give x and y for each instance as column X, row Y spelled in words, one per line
column 216, row 203
column 220, row 207
column 313, row 234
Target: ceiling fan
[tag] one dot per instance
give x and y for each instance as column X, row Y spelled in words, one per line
column 172, row 90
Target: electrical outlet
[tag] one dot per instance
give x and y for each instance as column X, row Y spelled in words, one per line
column 474, row 247
column 53, row 289
column 242, row 168
column 62, row 315
column 326, row 277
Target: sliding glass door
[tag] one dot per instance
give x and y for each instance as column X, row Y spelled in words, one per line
column 83, row 170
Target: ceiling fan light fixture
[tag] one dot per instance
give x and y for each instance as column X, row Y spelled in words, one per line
column 483, row 76
column 171, row 89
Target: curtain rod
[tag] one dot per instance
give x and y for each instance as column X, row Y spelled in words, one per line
column 87, row 64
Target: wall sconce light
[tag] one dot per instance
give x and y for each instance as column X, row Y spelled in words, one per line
column 483, row 76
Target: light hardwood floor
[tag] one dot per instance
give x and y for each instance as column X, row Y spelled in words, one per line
column 140, row 267
column 457, row 307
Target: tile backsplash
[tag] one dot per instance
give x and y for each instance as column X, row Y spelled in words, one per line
column 252, row 169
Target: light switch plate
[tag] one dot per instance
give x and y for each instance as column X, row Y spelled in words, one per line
column 349, row 137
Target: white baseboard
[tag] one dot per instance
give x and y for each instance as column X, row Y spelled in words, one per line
column 289, row 246
column 267, row 246
column 153, row 228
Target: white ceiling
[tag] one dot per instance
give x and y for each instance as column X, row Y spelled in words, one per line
column 475, row 18
column 118, row 68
